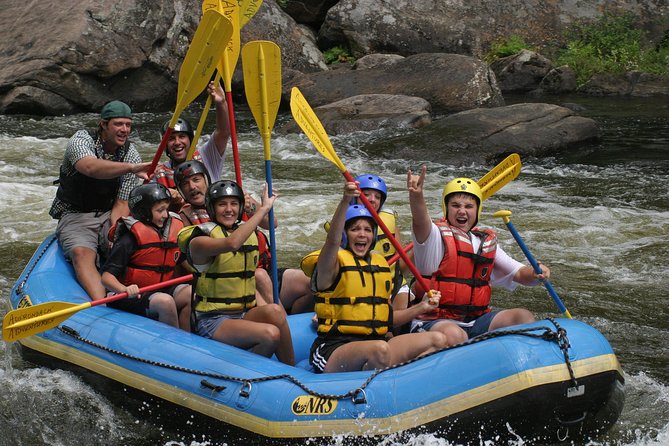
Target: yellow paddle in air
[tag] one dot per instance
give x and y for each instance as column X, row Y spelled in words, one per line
column 261, row 62
column 312, row 127
column 209, row 40
column 27, row 321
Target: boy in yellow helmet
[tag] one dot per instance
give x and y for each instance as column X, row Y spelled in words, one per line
column 462, row 262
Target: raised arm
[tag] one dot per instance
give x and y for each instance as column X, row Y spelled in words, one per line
column 328, row 265
column 420, row 219
column 222, row 132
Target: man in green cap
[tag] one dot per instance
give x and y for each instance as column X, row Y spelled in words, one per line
column 98, row 171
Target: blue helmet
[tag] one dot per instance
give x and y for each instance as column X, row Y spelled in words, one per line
column 354, row 212
column 369, row 181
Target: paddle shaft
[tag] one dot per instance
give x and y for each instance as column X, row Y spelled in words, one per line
column 396, row 256
column 64, row 312
column 536, row 267
column 159, row 152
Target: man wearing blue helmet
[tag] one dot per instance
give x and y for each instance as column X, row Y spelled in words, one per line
column 352, row 286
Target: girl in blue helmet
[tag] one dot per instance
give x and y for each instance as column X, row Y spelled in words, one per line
column 352, row 286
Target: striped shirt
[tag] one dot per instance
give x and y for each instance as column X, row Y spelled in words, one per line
column 82, row 145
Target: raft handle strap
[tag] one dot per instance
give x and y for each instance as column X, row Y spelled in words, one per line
column 359, row 396
column 212, row 386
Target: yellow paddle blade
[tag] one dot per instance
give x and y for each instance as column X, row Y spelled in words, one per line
column 27, row 321
column 204, row 53
column 500, row 175
column 261, row 62
column 311, row 126
column 247, row 9
column 229, row 57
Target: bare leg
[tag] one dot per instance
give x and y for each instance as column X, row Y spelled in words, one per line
column 454, row 334
column 83, row 260
column 163, row 306
column 359, row 355
column 295, row 291
column 257, row 337
column 264, row 290
column 182, row 296
column 515, row 316
column 275, row 315
column 413, row 345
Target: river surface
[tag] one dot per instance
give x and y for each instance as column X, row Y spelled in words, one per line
column 598, row 215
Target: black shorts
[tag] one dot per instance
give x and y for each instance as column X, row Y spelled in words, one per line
column 140, row 306
column 324, row 346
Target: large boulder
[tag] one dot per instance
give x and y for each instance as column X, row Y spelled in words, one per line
column 370, row 112
column 449, row 82
column 76, row 55
column 533, row 129
column 466, row 27
column 523, row 71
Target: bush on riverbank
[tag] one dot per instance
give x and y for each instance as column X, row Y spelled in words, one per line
column 613, row 44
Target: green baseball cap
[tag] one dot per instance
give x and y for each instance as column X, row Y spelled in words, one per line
column 115, row 109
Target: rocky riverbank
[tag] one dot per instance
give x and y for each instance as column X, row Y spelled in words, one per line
column 415, row 60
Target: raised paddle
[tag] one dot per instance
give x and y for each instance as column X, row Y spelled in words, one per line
column 500, row 175
column 27, row 321
column 312, row 127
column 505, row 216
column 208, row 42
column 247, row 9
column 225, row 69
column 261, row 62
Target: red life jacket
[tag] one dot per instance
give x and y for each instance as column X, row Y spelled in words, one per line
column 157, row 253
column 463, row 276
column 264, row 253
column 194, row 216
column 164, row 173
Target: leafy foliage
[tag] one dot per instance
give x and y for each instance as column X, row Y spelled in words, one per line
column 337, row 54
column 506, row 47
column 613, row 44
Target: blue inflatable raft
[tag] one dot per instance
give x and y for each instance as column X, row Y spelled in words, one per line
column 552, row 380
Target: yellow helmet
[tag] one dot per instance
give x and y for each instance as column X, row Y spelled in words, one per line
column 465, row 186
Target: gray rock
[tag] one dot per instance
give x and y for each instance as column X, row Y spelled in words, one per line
column 449, row 82
column 77, row 55
column 523, row 71
column 370, row 112
column 528, row 129
column 559, row 80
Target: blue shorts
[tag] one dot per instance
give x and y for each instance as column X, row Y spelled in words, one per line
column 208, row 321
column 473, row 328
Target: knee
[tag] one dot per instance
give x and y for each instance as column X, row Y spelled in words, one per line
column 162, row 302
column 524, row 316
column 275, row 314
column 270, row 335
column 380, row 354
column 82, row 256
column 439, row 340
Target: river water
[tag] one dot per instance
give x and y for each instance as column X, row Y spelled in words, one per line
column 598, row 215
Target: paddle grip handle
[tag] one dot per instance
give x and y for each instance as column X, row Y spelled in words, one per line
column 537, row 268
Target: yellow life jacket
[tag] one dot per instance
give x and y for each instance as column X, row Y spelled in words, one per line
column 308, row 263
column 358, row 302
column 229, row 283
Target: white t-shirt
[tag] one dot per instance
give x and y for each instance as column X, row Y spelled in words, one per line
column 428, row 256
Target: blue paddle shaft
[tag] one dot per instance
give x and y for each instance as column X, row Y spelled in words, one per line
column 272, row 235
column 536, row 267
